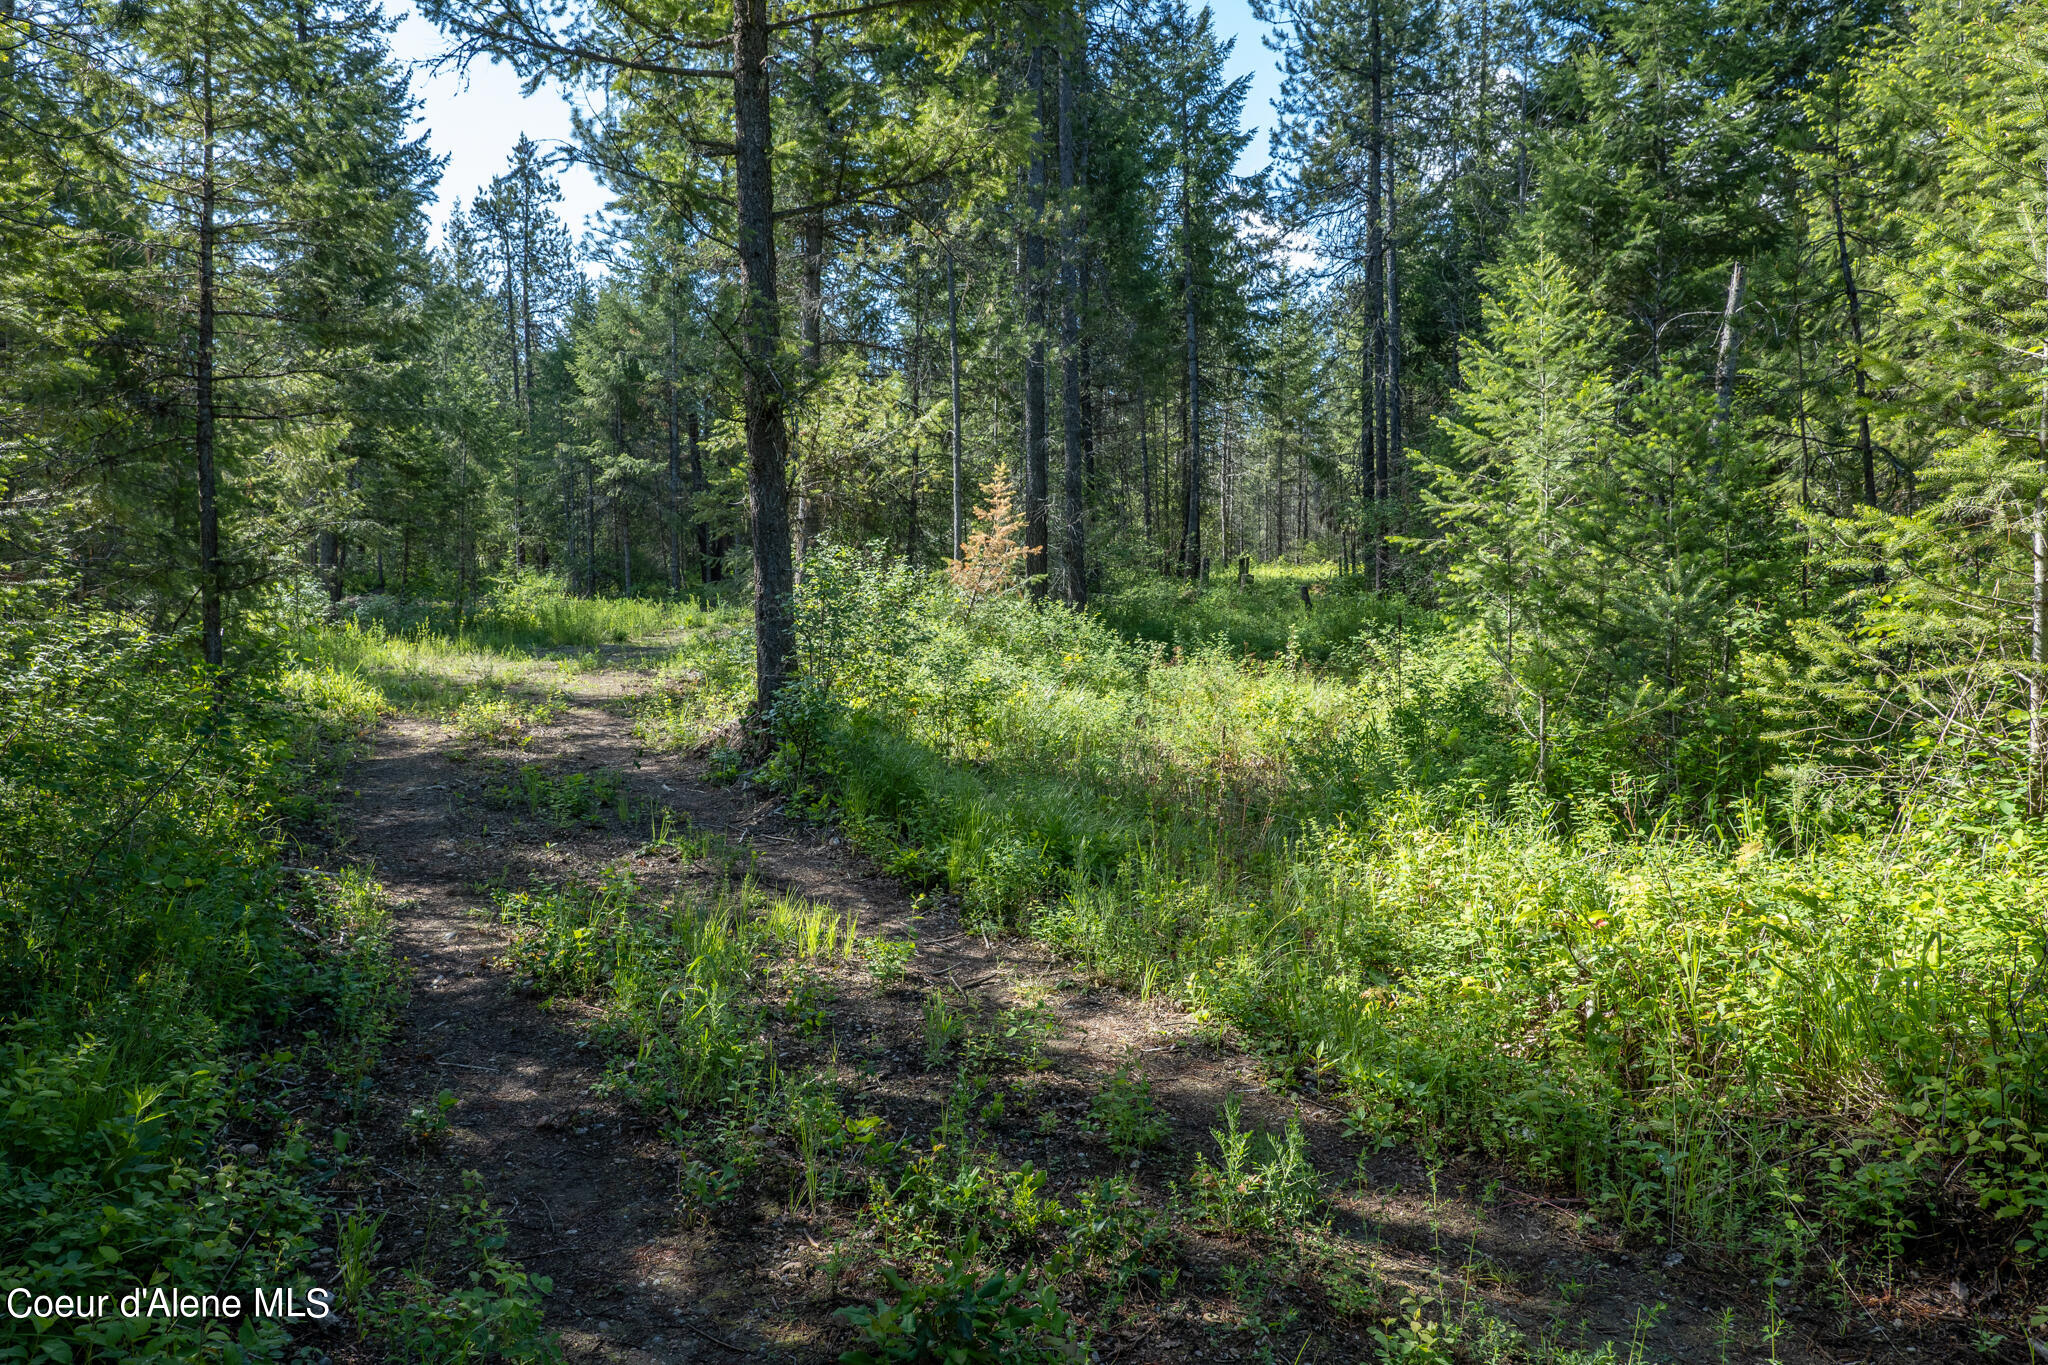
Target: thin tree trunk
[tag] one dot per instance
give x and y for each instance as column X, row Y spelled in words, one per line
column 1073, row 550
column 761, row 389
column 914, row 363
column 953, row 367
column 698, row 486
column 1375, row 302
column 675, row 458
column 1035, row 471
column 1863, row 442
column 1191, row 476
column 1390, row 456
column 211, row 588
column 1725, row 354
column 518, row 395
column 1145, row 456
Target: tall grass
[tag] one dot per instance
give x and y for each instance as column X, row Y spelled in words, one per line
column 1270, row 617
column 1724, row 1033
column 427, row 657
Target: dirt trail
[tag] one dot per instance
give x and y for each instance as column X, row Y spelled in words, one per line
column 590, row 1189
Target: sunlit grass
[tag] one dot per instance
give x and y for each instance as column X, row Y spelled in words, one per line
column 1687, row 1024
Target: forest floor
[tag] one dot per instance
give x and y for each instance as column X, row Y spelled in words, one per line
column 589, row 1186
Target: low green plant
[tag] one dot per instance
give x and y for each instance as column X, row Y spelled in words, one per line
column 496, row 1315
column 1259, row 1184
column 497, row 720
column 356, row 1245
column 707, row 1187
column 561, row 798
column 964, row 1318
column 428, row 1125
column 944, row 1028
column 1016, row 1038
column 1413, row 1337
column 887, row 959
column 1125, row 1115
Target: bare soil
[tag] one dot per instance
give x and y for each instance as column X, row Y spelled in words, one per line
column 590, row 1189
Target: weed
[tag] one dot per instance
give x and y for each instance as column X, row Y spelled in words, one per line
column 561, row 798
column 427, row 1125
column 497, row 1315
column 499, row 721
column 707, row 1187
column 1125, row 1115
column 965, row 1318
column 1413, row 1338
column 1017, row 1039
column 944, row 1028
column 1261, row 1185
column 356, row 1247
column 887, row 958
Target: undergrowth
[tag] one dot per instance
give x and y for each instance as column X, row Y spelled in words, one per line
column 1767, row 1026
column 185, row 1009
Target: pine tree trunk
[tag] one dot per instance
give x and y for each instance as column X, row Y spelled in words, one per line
column 1864, row 445
column 1073, row 550
column 589, row 529
column 675, row 459
column 1390, row 456
column 211, row 591
column 953, row 368
column 1375, row 302
column 761, row 391
column 1191, row 486
column 711, row 568
column 1145, row 456
column 1035, row 472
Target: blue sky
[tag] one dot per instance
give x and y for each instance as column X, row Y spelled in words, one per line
column 474, row 118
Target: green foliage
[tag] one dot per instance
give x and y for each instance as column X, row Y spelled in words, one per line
column 427, row 1125
column 1600, row 1004
column 497, row 1315
column 175, row 996
column 561, row 798
column 943, row 1029
column 678, row 984
column 965, row 1318
column 1125, row 1115
column 1260, row 1184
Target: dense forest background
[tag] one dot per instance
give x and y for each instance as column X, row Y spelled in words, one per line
column 1688, row 351
column 1535, row 605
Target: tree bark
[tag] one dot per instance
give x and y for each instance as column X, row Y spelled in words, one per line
column 710, row 566
column 1863, row 442
column 211, row 591
column 1390, row 455
column 1725, row 355
column 761, row 388
column 1073, row 550
column 1375, row 296
column 1035, row 472
column 953, row 365
column 675, row 458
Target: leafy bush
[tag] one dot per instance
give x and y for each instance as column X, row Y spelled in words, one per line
column 163, row 984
